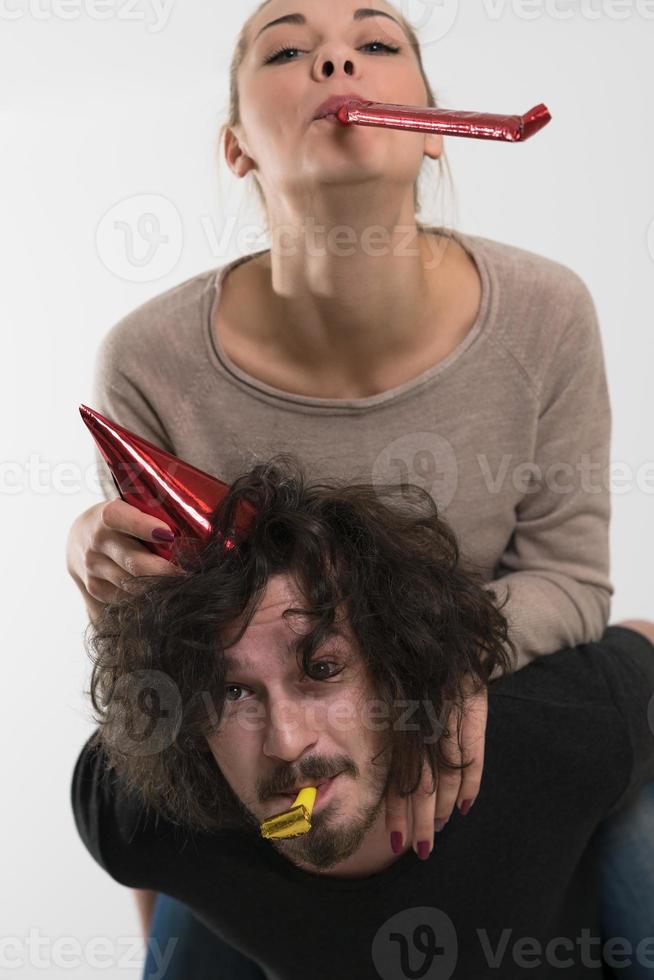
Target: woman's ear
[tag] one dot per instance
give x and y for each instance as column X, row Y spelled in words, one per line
column 433, row 145
column 237, row 159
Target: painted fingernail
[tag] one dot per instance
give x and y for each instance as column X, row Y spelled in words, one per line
column 465, row 806
column 423, row 849
column 439, row 824
column 163, row 534
column 396, row 841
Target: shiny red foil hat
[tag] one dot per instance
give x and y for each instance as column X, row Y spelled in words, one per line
column 164, row 486
column 449, row 122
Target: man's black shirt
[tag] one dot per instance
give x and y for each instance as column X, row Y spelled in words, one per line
column 510, row 889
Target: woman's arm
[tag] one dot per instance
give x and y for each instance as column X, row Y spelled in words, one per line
column 555, row 569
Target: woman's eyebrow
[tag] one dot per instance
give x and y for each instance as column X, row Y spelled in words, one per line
column 359, row 14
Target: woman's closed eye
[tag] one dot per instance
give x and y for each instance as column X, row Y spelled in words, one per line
column 276, row 55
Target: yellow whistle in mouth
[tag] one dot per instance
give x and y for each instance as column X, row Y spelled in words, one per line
column 293, row 822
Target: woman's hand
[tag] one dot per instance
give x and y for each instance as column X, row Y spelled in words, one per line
column 105, row 552
column 431, row 810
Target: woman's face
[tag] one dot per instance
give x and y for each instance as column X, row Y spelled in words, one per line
column 333, row 52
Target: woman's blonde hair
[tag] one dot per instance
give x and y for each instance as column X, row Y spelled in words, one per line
column 234, row 116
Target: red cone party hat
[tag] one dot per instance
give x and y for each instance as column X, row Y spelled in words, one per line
column 162, row 485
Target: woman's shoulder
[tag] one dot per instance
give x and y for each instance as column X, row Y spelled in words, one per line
column 160, row 318
column 520, row 267
column 543, row 311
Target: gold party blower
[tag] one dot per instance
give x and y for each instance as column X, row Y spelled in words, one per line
column 293, row 822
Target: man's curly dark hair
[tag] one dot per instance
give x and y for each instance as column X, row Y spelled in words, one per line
column 421, row 618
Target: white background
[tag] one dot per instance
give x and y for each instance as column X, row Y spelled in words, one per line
column 94, row 112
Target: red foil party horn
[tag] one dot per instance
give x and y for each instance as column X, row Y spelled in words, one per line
column 163, row 486
column 449, row 122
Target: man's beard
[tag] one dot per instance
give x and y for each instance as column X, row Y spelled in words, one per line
column 330, row 840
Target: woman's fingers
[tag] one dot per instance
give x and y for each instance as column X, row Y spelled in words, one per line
column 397, row 819
column 423, row 806
column 118, row 515
column 117, row 537
column 422, row 803
column 432, row 805
column 449, row 780
column 473, row 741
column 112, row 573
column 106, row 581
column 135, row 559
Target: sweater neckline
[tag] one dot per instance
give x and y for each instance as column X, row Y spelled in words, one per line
column 249, row 383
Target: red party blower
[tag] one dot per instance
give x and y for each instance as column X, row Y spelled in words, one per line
column 450, row 122
column 163, row 486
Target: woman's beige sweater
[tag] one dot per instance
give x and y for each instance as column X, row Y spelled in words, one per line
column 510, row 433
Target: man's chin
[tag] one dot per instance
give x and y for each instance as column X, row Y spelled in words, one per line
column 323, row 847
column 333, row 839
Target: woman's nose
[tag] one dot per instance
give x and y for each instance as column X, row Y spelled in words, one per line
column 329, row 64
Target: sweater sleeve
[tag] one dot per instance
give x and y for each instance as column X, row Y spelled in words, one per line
column 116, row 396
column 555, row 568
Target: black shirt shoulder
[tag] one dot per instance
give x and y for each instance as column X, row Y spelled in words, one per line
column 614, row 673
column 127, row 839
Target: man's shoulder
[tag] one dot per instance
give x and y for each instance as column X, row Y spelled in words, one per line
column 617, row 670
column 559, row 714
column 569, row 677
column 586, row 709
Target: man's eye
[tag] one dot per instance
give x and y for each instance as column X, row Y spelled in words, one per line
column 317, row 675
column 276, row 55
column 326, row 663
column 233, row 687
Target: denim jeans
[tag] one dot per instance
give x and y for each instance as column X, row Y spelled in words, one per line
column 198, row 954
column 627, row 910
column 627, row 883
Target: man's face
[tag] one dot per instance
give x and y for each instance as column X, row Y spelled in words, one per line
column 281, row 729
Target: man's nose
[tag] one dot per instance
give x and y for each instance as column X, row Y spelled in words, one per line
column 291, row 729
